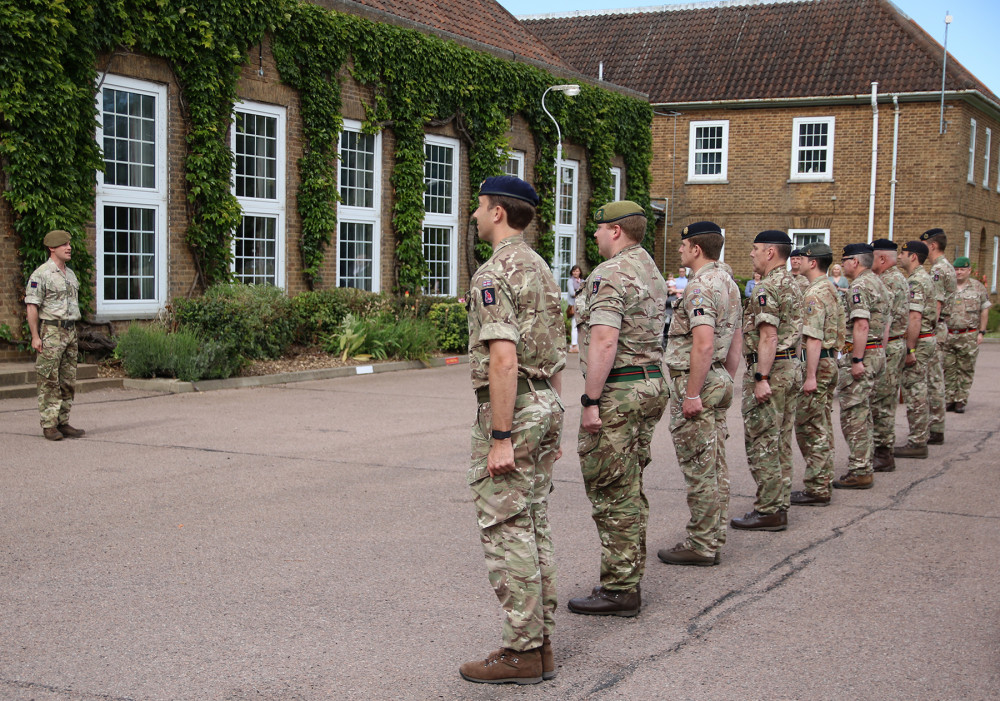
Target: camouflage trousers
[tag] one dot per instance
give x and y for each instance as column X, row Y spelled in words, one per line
column 935, row 383
column 612, row 461
column 856, row 397
column 512, row 510
column 960, row 354
column 56, row 370
column 814, row 428
column 887, row 395
column 700, row 444
column 914, row 385
column 767, row 434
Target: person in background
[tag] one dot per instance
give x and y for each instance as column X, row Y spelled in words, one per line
column 681, row 281
column 966, row 328
column 838, row 278
column 751, row 283
column 573, row 285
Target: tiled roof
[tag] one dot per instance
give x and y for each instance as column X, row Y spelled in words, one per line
column 482, row 21
column 754, row 50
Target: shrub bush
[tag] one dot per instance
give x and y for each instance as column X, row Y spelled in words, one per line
column 451, row 320
column 149, row 351
column 382, row 337
column 254, row 320
column 319, row 313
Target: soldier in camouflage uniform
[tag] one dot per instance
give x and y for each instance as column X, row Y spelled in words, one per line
column 921, row 349
column 772, row 327
column 517, row 349
column 796, row 262
column 943, row 275
column 703, row 352
column 621, row 326
column 966, row 328
column 887, row 383
column 52, row 299
column 823, row 330
column 864, row 359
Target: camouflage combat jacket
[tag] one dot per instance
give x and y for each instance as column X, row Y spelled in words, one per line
column 899, row 297
column 867, row 298
column 970, row 301
column 628, row 293
column 56, row 293
column 514, row 297
column 922, row 298
column 776, row 300
column 823, row 317
column 803, row 282
column 945, row 283
column 711, row 297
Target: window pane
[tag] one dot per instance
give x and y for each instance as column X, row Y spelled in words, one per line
column 357, row 168
column 437, row 252
column 438, row 178
column 256, row 152
column 254, row 261
column 355, row 255
column 129, row 138
column 129, row 253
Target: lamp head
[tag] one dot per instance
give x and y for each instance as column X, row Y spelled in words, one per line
column 569, row 89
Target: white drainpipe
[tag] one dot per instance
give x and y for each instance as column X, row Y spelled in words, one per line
column 871, row 203
column 895, row 152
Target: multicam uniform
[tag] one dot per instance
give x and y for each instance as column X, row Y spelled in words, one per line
column 767, row 426
column 823, row 319
column 625, row 292
column 887, row 383
column 961, row 349
column 514, row 298
column 803, row 283
column 711, row 298
column 866, row 298
column 945, row 283
column 914, row 380
column 56, row 293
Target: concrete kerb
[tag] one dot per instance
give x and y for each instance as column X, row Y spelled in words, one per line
column 173, row 386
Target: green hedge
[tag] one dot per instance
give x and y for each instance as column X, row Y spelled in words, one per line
column 150, row 351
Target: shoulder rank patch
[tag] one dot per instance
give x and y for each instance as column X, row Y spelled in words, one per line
column 762, row 300
column 597, row 283
column 489, row 296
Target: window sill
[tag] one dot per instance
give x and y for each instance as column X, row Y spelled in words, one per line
column 707, row 182
column 809, row 180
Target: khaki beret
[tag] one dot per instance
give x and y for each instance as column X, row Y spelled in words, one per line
column 56, row 238
column 613, row 211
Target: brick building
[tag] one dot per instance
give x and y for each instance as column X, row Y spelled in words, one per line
column 141, row 211
column 765, row 119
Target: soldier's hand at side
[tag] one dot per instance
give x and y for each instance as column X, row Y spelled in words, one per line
column 691, row 407
column 857, row 370
column 591, row 419
column 36, row 343
column 500, row 460
column 911, row 360
column 809, row 386
column 762, row 391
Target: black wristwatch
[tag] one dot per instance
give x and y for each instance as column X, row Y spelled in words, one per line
column 857, row 360
column 500, row 435
column 587, row 401
column 760, row 378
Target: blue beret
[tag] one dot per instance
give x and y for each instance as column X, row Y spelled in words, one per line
column 857, row 249
column 796, row 252
column 700, row 227
column 773, row 236
column 884, row 245
column 929, row 233
column 509, row 186
column 917, row 247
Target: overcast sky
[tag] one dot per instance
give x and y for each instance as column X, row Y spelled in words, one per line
column 971, row 35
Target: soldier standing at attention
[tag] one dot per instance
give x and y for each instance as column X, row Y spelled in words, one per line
column 517, row 348
column 621, row 318
column 921, row 349
column 703, row 352
column 943, row 275
column 823, row 333
column 966, row 328
column 772, row 327
column 796, row 262
column 53, row 308
column 864, row 360
column 887, row 383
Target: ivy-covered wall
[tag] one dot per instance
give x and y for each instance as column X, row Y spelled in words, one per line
column 48, row 72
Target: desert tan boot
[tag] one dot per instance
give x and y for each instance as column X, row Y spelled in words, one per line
column 505, row 666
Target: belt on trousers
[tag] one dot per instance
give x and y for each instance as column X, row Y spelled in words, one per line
column 932, row 334
column 825, row 353
column 848, row 347
column 687, row 371
column 896, row 338
column 523, row 387
column 630, row 373
column 969, row 330
column 780, row 355
column 59, row 322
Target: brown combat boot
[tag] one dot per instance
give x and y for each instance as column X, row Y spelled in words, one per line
column 756, row 521
column 548, row 660
column 850, row 481
column 936, row 438
column 959, row 407
column 680, row 555
column 884, row 461
column 71, row 432
column 505, row 666
column 604, row 602
column 950, row 406
column 910, row 451
column 804, row 498
column 52, row 434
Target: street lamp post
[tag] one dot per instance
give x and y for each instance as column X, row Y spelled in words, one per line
column 944, row 67
column 569, row 89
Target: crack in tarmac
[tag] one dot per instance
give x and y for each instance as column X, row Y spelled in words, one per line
column 703, row 622
column 67, row 693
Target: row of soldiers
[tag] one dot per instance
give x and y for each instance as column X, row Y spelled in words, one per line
column 799, row 341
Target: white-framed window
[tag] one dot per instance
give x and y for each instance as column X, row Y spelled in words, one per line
column 359, row 210
column 804, row 237
column 258, row 143
column 968, row 243
column 131, row 207
column 440, row 223
column 566, row 221
column 616, row 183
column 986, row 158
column 812, row 148
column 708, row 151
column 514, row 164
column 996, row 249
column 971, row 176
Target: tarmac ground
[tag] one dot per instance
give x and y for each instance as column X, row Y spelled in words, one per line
column 317, row 540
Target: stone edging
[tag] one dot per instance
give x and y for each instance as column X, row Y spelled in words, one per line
column 177, row 387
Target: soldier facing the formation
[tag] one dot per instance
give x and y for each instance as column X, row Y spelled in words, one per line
column 966, row 328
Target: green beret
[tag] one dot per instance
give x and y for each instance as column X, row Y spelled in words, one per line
column 613, row 211
column 56, row 238
column 816, row 250
column 963, row 262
